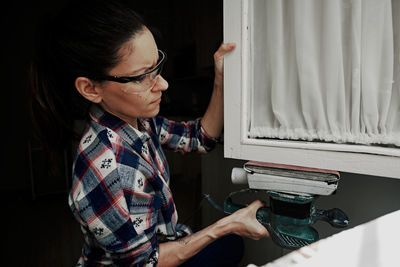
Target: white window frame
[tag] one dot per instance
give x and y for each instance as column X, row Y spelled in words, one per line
column 370, row 160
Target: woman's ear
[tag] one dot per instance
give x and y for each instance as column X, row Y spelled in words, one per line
column 88, row 90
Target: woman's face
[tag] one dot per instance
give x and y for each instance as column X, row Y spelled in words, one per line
column 138, row 56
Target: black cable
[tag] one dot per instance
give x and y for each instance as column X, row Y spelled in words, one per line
column 210, row 200
column 213, row 203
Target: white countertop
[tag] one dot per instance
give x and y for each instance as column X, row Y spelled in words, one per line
column 372, row 244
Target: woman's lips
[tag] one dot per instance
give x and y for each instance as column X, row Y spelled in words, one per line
column 157, row 101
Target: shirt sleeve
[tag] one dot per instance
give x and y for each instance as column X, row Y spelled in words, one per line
column 121, row 220
column 184, row 137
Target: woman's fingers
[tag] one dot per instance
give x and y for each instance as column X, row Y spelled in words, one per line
column 223, row 49
column 219, row 57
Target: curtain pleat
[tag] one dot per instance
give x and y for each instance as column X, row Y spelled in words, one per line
column 325, row 70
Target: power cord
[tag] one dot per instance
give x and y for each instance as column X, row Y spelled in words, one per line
column 210, row 200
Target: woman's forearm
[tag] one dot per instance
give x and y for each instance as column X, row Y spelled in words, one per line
column 242, row 222
column 176, row 252
column 213, row 119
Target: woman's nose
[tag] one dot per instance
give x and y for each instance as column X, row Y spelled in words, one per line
column 161, row 84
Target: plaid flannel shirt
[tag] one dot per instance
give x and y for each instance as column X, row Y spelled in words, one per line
column 120, row 192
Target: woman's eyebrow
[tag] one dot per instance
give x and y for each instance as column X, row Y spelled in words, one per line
column 144, row 68
column 141, row 70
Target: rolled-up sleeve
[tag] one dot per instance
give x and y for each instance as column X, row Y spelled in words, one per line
column 184, row 136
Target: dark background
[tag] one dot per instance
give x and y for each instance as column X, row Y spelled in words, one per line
column 39, row 228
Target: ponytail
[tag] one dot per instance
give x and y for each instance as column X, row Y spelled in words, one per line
column 83, row 40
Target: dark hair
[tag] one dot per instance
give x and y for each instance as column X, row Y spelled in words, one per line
column 83, row 40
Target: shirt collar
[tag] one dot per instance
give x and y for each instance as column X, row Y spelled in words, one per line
column 136, row 138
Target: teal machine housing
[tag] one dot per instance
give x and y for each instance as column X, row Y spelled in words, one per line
column 292, row 192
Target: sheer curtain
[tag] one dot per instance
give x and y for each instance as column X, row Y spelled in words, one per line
column 326, row 70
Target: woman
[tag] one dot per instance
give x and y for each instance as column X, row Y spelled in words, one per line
column 120, row 193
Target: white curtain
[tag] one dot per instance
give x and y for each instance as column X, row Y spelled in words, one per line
column 326, row 70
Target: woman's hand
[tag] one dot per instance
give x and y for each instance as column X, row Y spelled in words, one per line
column 213, row 118
column 244, row 222
column 219, row 61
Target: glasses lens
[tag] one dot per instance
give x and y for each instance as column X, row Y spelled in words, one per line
column 139, row 87
column 146, row 81
column 153, row 75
